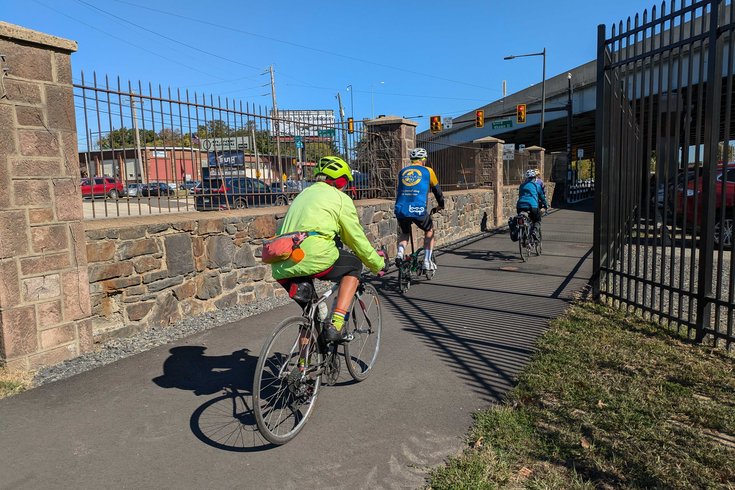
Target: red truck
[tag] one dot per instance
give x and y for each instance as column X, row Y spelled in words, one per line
column 101, row 187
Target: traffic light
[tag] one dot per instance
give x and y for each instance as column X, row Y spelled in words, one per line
column 350, row 125
column 435, row 124
column 479, row 119
column 521, row 113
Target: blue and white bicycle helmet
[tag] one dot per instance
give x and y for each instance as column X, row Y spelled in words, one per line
column 418, row 154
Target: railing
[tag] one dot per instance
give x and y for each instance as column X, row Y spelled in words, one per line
column 665, row 201
column 146, row 150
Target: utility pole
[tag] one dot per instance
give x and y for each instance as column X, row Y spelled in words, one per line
column 276, row 125
column 567, row 178
column 137, row 136
column 344, row 129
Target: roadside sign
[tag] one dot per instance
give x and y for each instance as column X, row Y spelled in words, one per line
column 503, row 123
column 326, row 133
column 226, row 144
column 580, row 153
column 509, row 151
column 447, row 123
column 298, row 141
column 521, row 148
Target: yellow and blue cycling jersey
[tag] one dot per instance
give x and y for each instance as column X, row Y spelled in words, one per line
column 414, row 183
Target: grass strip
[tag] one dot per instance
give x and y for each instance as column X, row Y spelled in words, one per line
column 13, row 382
column 608, row 401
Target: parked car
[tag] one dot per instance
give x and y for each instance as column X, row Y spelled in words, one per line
column 189, row 186
column 156, row 189
column 133, row 190
column 101, row 187
column 724, row 203
column 238, row 192
column 291, row 187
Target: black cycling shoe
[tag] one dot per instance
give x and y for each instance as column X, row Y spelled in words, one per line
column 331, row 334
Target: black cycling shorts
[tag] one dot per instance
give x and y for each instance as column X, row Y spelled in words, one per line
column 425, row 224
column 301, row 288
column 533, row 213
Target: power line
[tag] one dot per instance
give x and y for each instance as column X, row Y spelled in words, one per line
column 190, row 46
column 302, row 46
column 123, row 39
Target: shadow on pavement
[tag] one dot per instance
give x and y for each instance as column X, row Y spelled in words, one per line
column 225, row 422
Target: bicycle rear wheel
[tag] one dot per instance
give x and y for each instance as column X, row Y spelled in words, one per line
column 366, row 327
column 283, row 394
column 523, row 244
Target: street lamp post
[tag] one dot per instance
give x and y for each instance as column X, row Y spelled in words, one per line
column 352, row 102
column 372, row 98
column 543, row 90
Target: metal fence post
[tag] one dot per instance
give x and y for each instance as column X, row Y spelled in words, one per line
column 709, row 172
column 600, row 156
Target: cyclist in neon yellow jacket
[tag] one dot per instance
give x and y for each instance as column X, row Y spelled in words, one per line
column 324, row 211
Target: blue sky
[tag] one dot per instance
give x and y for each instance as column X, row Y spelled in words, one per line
column 402, row 57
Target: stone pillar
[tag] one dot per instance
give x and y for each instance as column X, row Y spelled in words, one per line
column 44, row 291
column 489, row 162
column 389, row 140
column 536, row 156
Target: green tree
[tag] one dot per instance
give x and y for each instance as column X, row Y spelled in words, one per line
column 125, row 138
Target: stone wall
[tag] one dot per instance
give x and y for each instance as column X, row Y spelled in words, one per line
column 44, row 297
column 155, row 270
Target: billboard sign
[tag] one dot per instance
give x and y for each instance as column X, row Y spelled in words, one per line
column 304, row 122
column 226, row 159
column 226, row 144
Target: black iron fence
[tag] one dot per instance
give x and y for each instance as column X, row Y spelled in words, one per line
column 146, row 150
column 454, row 165
column 665, row 176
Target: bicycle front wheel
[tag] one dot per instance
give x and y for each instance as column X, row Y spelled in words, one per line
column 287, row 380
column 366, row 326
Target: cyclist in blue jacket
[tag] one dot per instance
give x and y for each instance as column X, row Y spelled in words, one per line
column 531, row 197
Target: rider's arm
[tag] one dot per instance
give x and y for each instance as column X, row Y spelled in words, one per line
column 435, row 188
column 542, row 196
column 354, row 237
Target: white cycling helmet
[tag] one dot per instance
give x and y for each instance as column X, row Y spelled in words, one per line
column 530, row 174
column 418, row 154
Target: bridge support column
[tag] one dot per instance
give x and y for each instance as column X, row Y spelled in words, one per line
column 44, row 288
column 389, row 140
column 536, row 156
column 489, row 165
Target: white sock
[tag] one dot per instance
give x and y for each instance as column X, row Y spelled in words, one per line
column 427, row 255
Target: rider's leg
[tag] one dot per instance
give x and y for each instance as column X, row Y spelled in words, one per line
column 346, row 269
column 428, row 247
column 404, row 227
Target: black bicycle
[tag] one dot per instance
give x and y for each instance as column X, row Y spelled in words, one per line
column 411, row 267
column 529, row 236
column 296, row 359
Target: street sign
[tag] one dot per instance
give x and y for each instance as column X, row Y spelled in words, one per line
column 226, row 144
column 503, row 123
column 447, row 123
column 521, row 148
column 326, row 133
column 509, row 151
column 580, row 153
column 298, row 141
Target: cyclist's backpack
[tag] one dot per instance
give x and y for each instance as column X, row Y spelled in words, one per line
column 283, row 247
column 514, row 229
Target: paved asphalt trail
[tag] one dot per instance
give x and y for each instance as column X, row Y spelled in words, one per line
column 164, row 418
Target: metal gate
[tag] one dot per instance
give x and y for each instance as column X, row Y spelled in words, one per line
column 149, row 150
column 665, row 175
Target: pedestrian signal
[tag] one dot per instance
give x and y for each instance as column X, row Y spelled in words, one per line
column 521, row 113
column 435, row 124
column 479, row 119
column 350, row 125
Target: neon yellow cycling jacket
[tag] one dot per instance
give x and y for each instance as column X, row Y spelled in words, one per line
column 327, row 211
